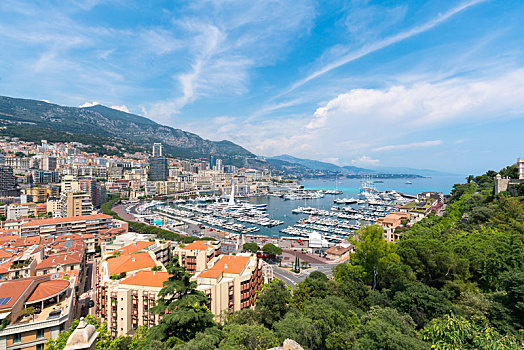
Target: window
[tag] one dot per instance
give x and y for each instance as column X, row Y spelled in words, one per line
column 39, row 333
column 17, row 338
column 40, row 347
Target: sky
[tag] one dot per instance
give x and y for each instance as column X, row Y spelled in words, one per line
column 422, row 84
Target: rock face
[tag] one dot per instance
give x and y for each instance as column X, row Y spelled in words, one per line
column 110, row 124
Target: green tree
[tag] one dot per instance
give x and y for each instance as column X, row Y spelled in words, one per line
column 271, row 249
column 373, row 256
column 248, row 337
column 182, row 307
column 272, row 303
column 453, row 332
column 251, row 247
column 386, row 328
column 104, row 340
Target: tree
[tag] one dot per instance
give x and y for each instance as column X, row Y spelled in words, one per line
column 248, row 337
column 422, row 303
column 251, row 247
column 386, row 328
column 104, row 340
column 373, row 255
column 271, row 249
column 456, row 333
column 272, row 303
column 182, row 307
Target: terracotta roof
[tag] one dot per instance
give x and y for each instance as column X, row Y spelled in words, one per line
column 32, row 240
column 134, row 247
column 133, row 262
column 147, row 278
column 227, row 264
column 64, row 220
column 14, row 290
column 198, row 245
column 60, row 259
column 4, row 254
column 338, row 250
column 48, row 289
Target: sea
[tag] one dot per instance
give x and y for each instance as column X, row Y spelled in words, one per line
column 280, row 209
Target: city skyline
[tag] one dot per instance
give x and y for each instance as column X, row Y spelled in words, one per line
column 424, row 85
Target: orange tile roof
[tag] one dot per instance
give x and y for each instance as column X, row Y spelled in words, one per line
column 227, row 264
column 147, row 278
column 48, row 289
column 4, row 254
column 14, row 289
column 198, row 245
column 134, row 247
column 32, row 240
column 133, row 262
column 64, row 220
column 60, row 259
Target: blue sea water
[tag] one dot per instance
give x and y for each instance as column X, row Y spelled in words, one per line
column 280, row 209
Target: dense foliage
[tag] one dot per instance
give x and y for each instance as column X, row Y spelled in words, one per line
column 454, row 281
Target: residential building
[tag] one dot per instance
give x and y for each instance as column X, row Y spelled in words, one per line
column 158, row 169
column 75, row 204
column 7, row 178
column 56, row 226
column 520, row 166
column 196, row 255
column 157, row 150
column 54, row 299
column 49, row 163
column 46, row 177
column 231, row 282
column 69, row 183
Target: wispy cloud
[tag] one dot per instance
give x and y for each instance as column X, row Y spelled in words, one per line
column 378, row 45
column 408, row 145
column 365, row 160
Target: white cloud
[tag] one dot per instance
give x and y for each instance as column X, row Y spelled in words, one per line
column 89, row 104
column 365, row 160
column 352, row 55
column 408, row 145
column 122, row 108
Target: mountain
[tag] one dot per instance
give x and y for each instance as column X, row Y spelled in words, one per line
column 404, row 170
column 109, row 127
column 308, row 163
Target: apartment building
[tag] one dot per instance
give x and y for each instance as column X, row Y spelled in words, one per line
column 40, row 194
column 196, row 256
column 56, row 226
column 127, row 290
column 75, row 204
column 391, row 222
column 520, row 166
column 54, row 302
column 231, row 282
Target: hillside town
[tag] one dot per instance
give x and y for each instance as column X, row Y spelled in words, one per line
column 62, row 258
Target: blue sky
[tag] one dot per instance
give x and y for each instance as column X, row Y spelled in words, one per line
column 435, row 84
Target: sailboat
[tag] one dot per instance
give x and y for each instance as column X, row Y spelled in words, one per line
column 232, row 196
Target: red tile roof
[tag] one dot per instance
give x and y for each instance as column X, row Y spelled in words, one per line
column 198, row 245
column 127, row 263
column 147, row 278
column 227, row 264
column 134, row 247
column 48, row 289
column 60, row 259
column 64, row 220
column 14, row 290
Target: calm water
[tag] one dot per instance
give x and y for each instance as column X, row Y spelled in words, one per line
column 280, row 209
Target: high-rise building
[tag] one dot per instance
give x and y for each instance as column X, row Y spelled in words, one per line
column 219, row 165
column 158, row 170
column 157, row 150
column 520, row 164
column 7, row 178
column 49, row 163
column 212, row 161
column 46, row 177
column 75, row 204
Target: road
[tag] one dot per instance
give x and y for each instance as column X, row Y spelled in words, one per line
column 292, row 279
